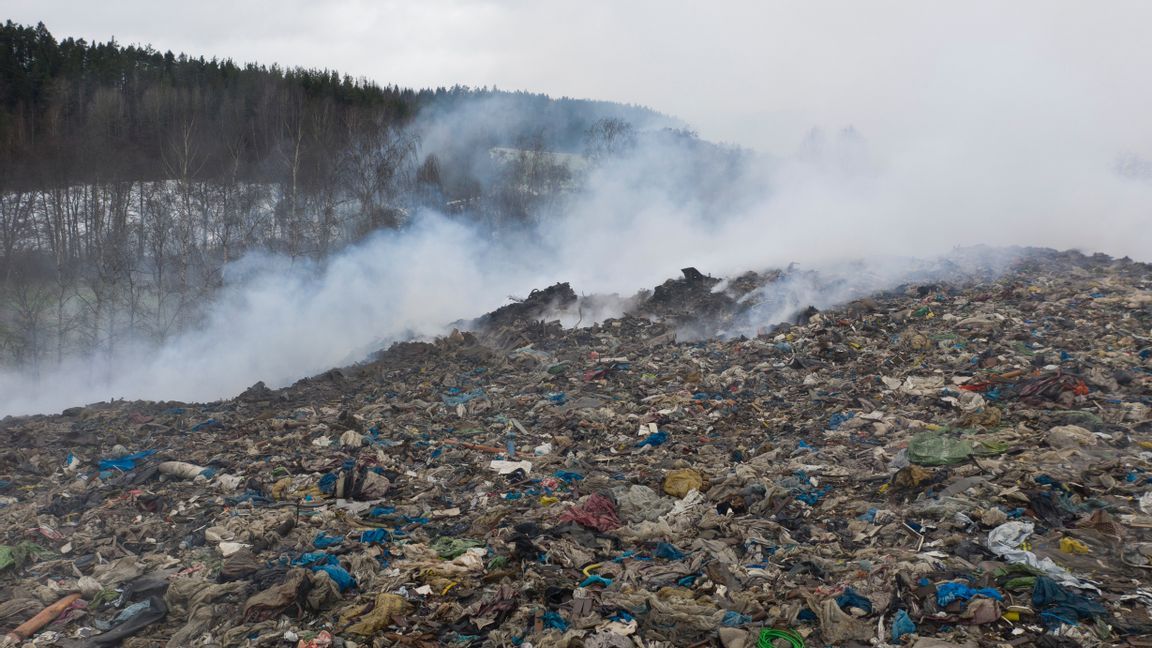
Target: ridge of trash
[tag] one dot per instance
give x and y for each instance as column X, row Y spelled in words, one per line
column 965, row 462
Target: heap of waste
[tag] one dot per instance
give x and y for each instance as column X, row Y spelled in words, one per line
column 964, row 463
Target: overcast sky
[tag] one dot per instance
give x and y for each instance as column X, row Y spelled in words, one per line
column 757, row 73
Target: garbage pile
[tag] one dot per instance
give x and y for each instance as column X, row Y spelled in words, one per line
column 955, row 464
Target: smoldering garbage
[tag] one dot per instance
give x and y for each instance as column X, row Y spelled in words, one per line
column 962, row 463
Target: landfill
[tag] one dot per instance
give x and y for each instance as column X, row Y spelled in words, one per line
column 957, row 463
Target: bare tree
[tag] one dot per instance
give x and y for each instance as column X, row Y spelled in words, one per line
column 378, row 166
column 15, row 225
column 607, row 138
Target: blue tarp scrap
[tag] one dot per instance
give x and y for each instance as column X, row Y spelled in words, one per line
column 622, row 616
column 329, row 564
column 203, row 425
column 839, row 419
column 667, row 551
column 375, row 536
column 248, row 497
column 452, row 400
column 343, row 579
column 654, row 439
column 902, row 625
column 596, row 580
column 327, row 483
column 127, row 462
column 323, row 540
column 806, row 492
column 734, row 619
column 312, row 558
column 553, row 619
column 1063, row 605
column 813, row 497
column 850, row 598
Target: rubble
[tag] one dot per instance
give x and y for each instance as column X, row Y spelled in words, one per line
column 961, row 463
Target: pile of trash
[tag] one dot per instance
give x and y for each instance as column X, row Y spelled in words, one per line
column 953, row 464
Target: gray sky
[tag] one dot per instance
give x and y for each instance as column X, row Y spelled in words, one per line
column 759, row 73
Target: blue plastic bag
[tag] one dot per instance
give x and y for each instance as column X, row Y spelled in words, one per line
column 668, row 551
column 323, row 541
column 902, row 625
column 654, row 439
column 947, row 593
column 375, row 536
column 853, row 599
column 338, row 574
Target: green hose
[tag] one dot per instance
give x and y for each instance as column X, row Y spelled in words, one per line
column 768, row 634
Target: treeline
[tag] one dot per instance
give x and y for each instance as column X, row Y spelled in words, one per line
column 129, row 177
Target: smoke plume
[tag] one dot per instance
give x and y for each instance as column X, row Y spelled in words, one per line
column 841, row 204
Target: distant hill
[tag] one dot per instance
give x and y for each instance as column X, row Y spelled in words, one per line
column 74, row 111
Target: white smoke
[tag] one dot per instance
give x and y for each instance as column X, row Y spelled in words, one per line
column 840, row 205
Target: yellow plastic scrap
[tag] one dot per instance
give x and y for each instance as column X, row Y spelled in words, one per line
column 910, row 477
column 1147, row 445
column 280, row 488
column 1011, row 616
column 548, row 500
column 919, row 342
column 1074, row 546
column 313, row 491
column 679, row 483
column 384, row 613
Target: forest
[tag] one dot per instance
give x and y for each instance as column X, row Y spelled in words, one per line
column 130, row 178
